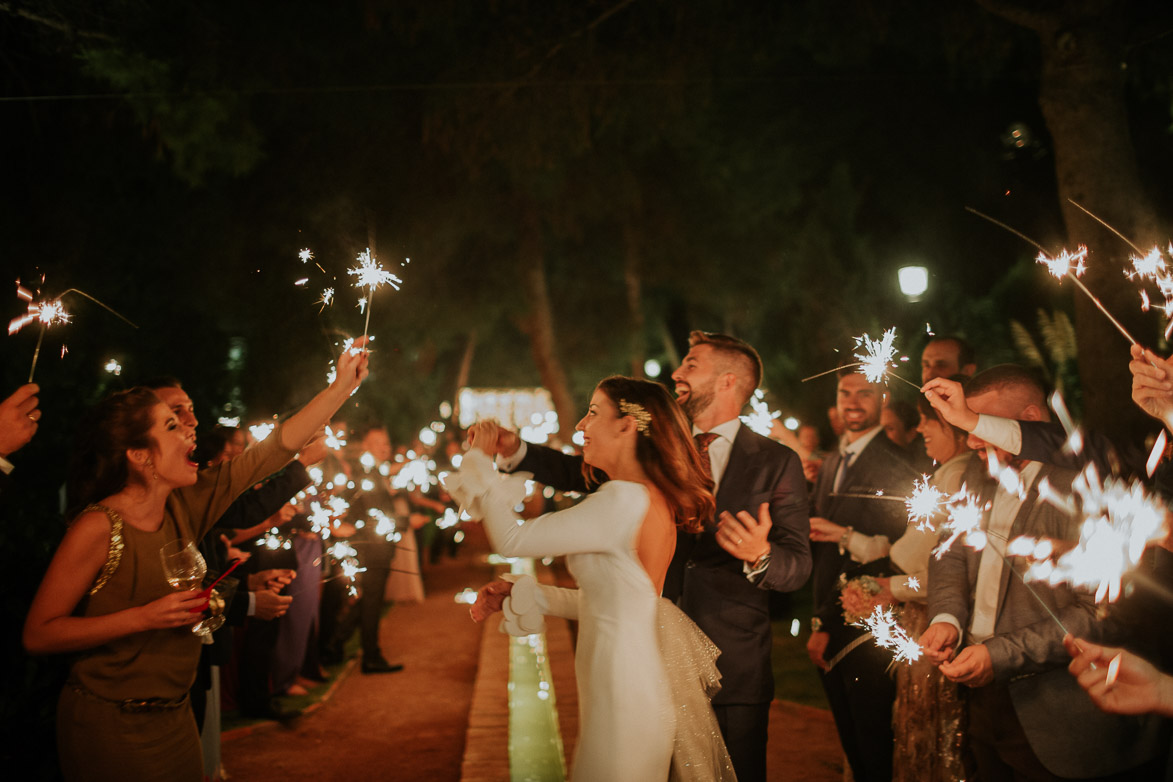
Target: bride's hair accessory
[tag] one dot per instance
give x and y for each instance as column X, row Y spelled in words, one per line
column 643, row 419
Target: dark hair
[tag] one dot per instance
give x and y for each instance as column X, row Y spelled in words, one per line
column 733, row 349
column 665, row 450
column 925, row 407
column 98, row 465
column 1006, row 377
column 965, row 352
column 213, row 443
column 905, row 412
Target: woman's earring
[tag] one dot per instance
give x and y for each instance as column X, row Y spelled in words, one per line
column 151, row 464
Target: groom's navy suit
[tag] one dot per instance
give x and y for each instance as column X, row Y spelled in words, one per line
column 712, row 588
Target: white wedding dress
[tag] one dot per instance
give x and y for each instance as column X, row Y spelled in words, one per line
column 645, row 672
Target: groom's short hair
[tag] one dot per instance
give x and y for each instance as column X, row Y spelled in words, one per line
column 743, row 359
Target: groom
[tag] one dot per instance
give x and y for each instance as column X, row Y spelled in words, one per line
column 759, row 541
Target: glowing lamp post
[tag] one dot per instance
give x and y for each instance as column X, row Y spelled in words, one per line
column 914, row 281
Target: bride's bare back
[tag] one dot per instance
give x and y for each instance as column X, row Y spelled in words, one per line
column 656, row 542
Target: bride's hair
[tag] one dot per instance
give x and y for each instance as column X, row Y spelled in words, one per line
column 664, row 448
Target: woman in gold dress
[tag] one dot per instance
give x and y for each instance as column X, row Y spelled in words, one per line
column 124, row 713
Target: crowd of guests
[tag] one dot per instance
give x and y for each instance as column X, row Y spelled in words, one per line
column 290, row 598
column 997, row 694
column 1018, row 680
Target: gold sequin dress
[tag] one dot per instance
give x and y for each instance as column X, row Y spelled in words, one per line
column 123, row 713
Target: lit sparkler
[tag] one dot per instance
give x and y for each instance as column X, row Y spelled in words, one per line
column 48, row 311
column 888, row 634
column 1120, row 521
column 761, row 418
column 370, row 276
column 1066, row 264
column 876, row 362
column 306, row 255
column 924, row 503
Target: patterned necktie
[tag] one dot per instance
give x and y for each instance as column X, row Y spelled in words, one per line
column 703, row 441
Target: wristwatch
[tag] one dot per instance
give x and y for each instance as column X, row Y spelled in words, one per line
column 844, row 539
column 816, row 625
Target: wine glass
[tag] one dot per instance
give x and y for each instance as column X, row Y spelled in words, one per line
column 185, row 568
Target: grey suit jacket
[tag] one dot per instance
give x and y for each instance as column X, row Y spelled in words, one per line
column 1069, row 735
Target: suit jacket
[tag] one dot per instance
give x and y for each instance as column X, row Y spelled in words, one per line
column 709, row 583
column 1069, row 735
column 1044, row 441
column 882, row 466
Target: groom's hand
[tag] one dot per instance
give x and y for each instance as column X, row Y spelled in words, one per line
column 493, row 439
column 744, row 536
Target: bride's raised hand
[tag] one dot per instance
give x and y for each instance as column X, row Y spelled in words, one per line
column 490, row 597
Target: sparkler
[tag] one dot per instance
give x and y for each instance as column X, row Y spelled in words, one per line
column 48, row 311
column 888, row 634
column 1066, row 264
column 761, row 418
column 924, row 503
column 1121, row 520
column 370, row 276
column 876, row 362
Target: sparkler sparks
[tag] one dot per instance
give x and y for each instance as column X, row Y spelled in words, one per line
column 925, row 502
column 1065, row 263
column 306, row 255
column 878, row 356
column 1120, row 521
column 888, row 634
column 370, row 276
column 761, row 418
column 48, row 311
column 1153, row 268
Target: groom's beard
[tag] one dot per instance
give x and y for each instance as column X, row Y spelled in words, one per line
column 698, row 400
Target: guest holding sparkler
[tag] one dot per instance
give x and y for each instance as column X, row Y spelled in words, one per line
column 124, row 712
column 1003, row 638
column 852, row 670
column 927, row 714
column 18, row 423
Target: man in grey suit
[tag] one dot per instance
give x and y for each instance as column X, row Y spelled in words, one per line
column 723, row 576
column 1028, row 719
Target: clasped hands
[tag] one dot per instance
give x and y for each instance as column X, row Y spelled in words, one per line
column 972, row 667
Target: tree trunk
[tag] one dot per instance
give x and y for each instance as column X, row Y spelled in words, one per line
column 1082, row 99
column 634, row 284
column 539, row 324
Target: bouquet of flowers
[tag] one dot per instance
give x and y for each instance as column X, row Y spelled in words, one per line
column 860, row 596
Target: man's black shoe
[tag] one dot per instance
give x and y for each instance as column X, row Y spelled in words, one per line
column 381, row 666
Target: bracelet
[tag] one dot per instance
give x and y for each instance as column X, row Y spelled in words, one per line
column 844, row 538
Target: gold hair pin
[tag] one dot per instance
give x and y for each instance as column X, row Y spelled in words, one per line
column 643, row 419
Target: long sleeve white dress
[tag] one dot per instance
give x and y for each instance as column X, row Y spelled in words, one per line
column 628, row 705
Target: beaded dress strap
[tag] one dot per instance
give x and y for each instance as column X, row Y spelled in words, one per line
column 114, row 552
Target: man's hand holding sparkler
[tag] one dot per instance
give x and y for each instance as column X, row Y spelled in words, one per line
column 745, row 537
column 1119, row 682
column 972, row 667
column 947, row 398
column 1152, row 384
column 493, row 439
column 18, row 419
column 940, row 641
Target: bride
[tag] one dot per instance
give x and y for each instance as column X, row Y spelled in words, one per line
column 645, row 672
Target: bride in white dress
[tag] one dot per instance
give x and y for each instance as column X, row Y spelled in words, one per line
column 645, row 672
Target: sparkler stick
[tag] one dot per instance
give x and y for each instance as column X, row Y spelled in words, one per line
column 1088, row 212
column 371, row 275
column 49, row 311
column 1051, row 263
